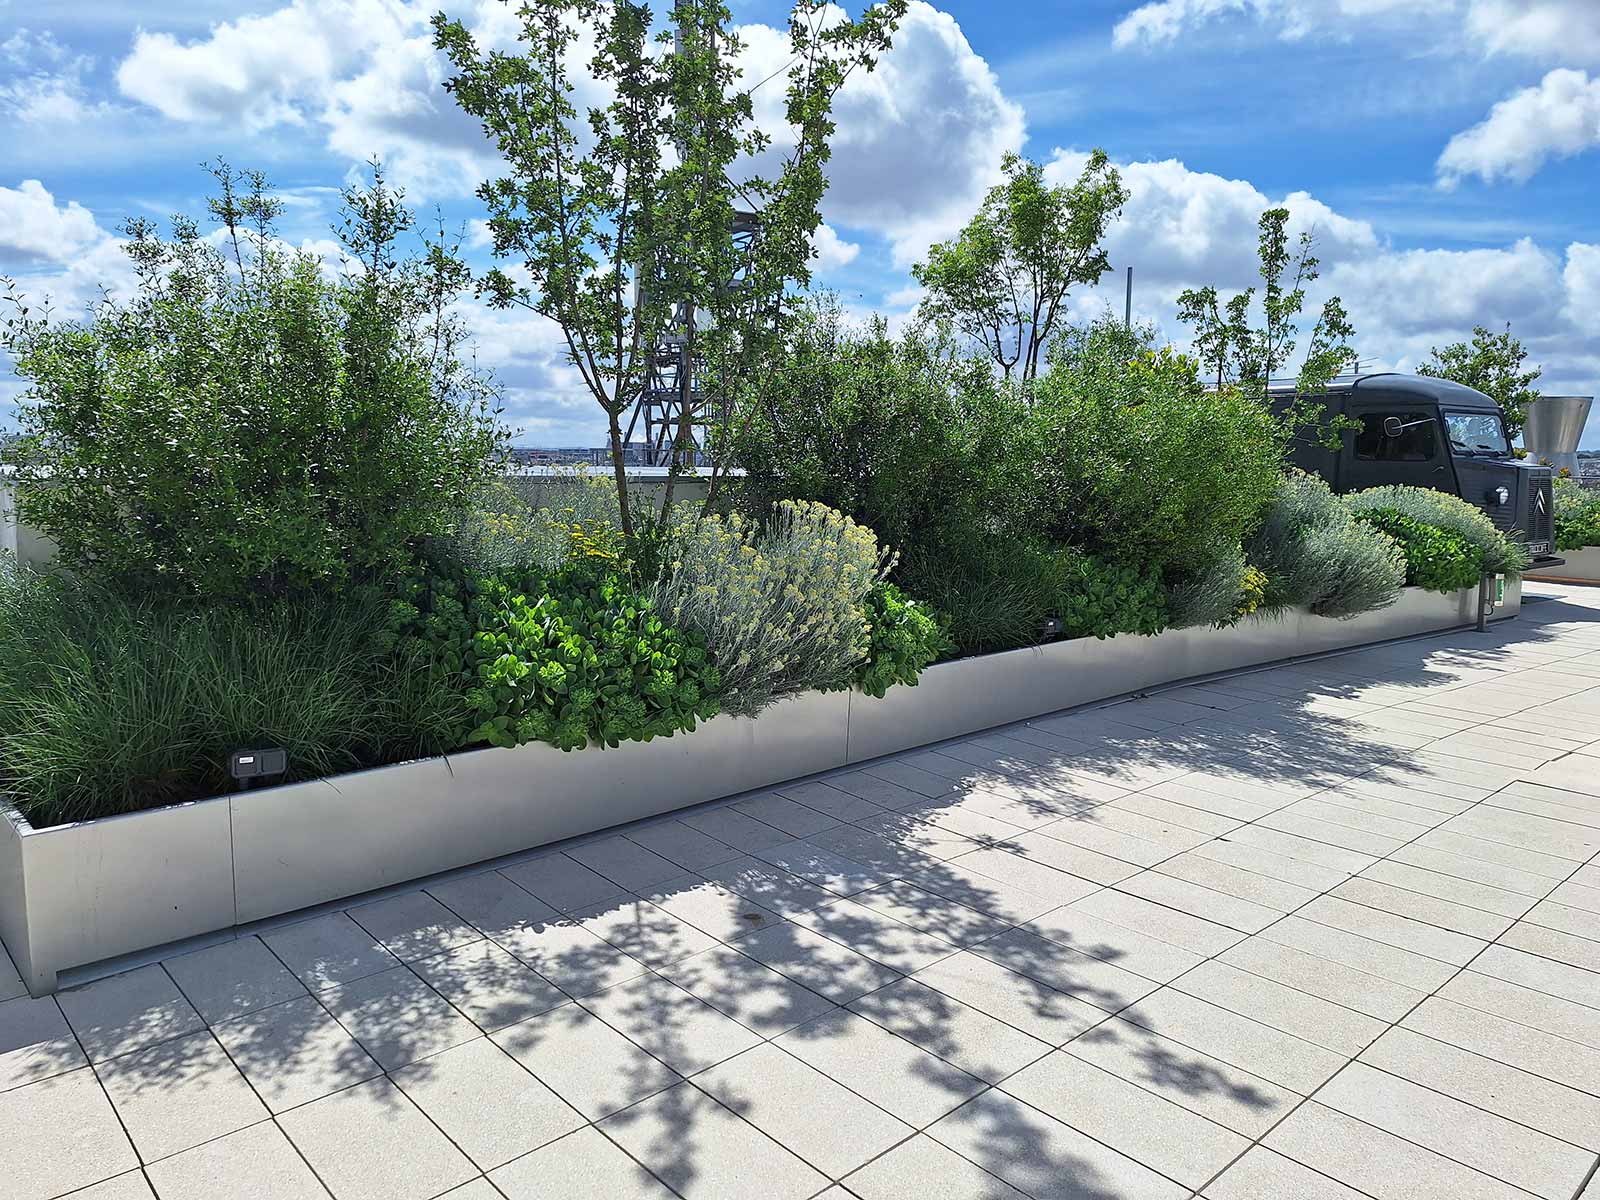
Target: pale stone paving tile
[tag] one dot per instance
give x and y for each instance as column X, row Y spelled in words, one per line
column 370, row 1143
column 1553, row 944
column 753, row 994
column 877, row 790
column 574, row 959
column 1244, row 916
column 819, row 795
column 919, row 837
column 1264, row 1174
column 257, row 1163
column 1148, row 1128
column 487, row 1104
column 1440, row 885
column 1086, row 933
column 898, row 1077
column 714, row 910
column 35, row 1042
column 1514, row 1153
column 1298, row 847
column 1541, row 1104
column 921, row 1168
column 1539, row 974
column 1353, row 813
column 1540, row 835
column 703, row 1151
column 413, row 925
column 1544, row 867
column 644, row 931
column 1549, row 1014
column 1526, row 885
column 976, row 1042
column 584, row 1061
column 882, row 939
column 769, row 886
column 1360, row 841
column 1576, row 1066
column 1169, row 924
column 679, row 842
column 1402, row 932
column 785, row 815
column 932, row 913
column 802, row 1109
column 1184, row 815
column 727, row 824
column 1282, row 1058
column 1551, row 914
column 329, row 950
column 1578, row 895
column 73, row 1137
column 126, row 1187
column 670, row 1024
column 1043, row 1157
column 1415, row 971
column 1103, row 984
column 1270, row 863
column 871, row 850
column 294, row 1052
column 127, row 1012
column 488, row 985
column 1378, row 1163
column 581, row 1166
column 233, row 978
column 625, row 863
column 836, row 873
column 491, row 903
column 1230, row 880
column 565, row 884
column 1036, row 866
column 397, row 1017
column 1279, row 1006
column 177, row 1094
column 1035, row 1008
column 818, row 963
column 1322, row 977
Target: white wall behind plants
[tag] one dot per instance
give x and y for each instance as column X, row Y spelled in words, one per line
column 29, row 545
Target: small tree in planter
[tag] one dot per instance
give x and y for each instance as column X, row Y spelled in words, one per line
column 621, row 214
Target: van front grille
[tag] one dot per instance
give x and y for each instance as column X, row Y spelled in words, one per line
column 1541, row 509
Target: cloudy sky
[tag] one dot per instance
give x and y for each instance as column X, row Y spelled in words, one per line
column 1446, row 152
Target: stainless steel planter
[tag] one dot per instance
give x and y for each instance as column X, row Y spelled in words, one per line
column 74, row 895
column 1582, row 566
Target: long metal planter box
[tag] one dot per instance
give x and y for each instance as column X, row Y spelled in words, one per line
column 73, row 895
column 1582, row 566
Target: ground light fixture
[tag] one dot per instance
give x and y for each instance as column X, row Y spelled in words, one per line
column 247, row 766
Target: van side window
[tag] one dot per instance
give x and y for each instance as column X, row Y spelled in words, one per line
column 1419, row 443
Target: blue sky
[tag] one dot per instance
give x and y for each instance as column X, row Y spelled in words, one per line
column 1445, row 152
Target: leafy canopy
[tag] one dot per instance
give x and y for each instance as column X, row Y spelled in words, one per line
column 1004, row 278
column 1493, row 364
column 623, row 215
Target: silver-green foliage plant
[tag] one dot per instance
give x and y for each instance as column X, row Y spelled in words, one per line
column 507, row 527
column 780, row 605
column 1316, row 555
column 1450, row 513
column 1210, row 596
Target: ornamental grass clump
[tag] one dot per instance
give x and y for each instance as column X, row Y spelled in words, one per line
column 1501, row 554
column 780, row 605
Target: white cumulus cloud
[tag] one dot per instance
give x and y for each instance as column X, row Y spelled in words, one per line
column 1557, row 118
column 35, row 229
column 832, row 251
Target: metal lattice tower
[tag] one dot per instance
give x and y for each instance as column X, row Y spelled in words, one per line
column 670, row 386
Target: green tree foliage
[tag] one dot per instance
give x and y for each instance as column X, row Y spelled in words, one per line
column 906, row 435
column 1137, row 462
column 1436, row 559
column 246, row 425
column 1232, row 350
column 1493, row 364
column 641, row 191
column 1004, row 279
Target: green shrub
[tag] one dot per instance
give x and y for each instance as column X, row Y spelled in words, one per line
column 573, row 658
column 1101, row 599
column 905, row 637
column 780, row 605
column 1137, row 462
column 248, row 424
column 1577, row 515
column 1437, row 560
column 109, row 705
column 1316, row 555
column 1214, row 594
column 1451, row 513
column 907, row 436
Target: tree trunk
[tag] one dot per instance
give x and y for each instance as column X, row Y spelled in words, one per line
column 620, row 473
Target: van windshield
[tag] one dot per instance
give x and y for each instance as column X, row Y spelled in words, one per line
column 1477, row 432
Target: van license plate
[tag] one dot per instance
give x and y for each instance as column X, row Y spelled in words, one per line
column 1538, row 547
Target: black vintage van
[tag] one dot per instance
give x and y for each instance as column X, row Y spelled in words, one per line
column 1432, row 433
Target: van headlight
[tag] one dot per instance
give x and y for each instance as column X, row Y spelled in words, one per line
column 1500, row 495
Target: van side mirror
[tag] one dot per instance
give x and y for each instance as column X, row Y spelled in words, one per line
column 1393, row 427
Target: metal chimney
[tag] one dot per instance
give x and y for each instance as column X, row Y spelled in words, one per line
column 1553, row 428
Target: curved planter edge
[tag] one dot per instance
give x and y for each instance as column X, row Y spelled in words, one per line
column 1582, row 566
column 79, row 894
